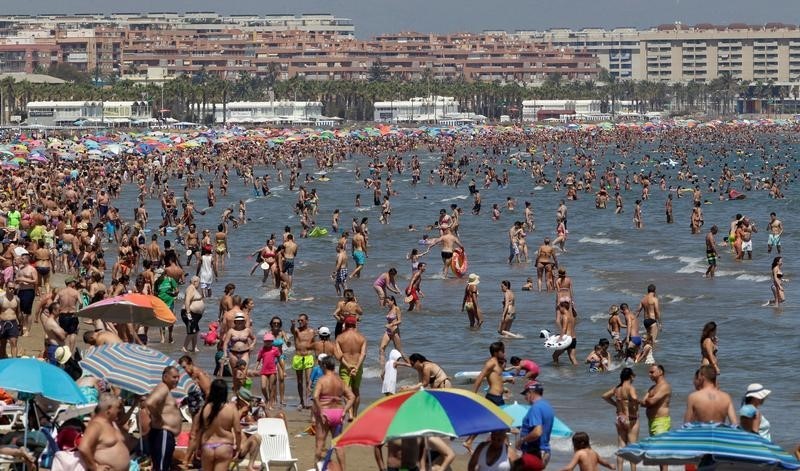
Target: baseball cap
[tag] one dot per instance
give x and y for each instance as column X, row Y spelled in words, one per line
column 350, row 320
column 533, row 386
column 245, row 395
column 322, row 356
column 20, row 251
column 324, row 332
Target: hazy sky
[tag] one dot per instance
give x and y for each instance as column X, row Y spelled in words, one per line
column 375, row 16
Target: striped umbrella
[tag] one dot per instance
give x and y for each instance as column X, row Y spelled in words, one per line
column 705, row 442
column 423, row 413
column 133, row 368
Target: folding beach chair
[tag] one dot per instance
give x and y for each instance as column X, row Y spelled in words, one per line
column 275, row 444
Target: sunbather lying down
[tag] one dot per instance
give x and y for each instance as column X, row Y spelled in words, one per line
column 18, row 453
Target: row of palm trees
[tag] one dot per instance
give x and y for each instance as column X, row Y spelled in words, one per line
column 196, row 97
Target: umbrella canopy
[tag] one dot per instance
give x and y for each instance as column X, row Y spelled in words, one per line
column 133, row 368
column 518, row 412
column 427, row 412
column 696, row 441
column 32, row 376
column 131, row 308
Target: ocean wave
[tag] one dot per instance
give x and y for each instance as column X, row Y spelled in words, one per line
column 663, row 257
column 538, row 188
column 674, row 299
column 754, row 278
column 271, row 294
column 600, row 317
column 693, row 265
column 459, row 197
column 600, row 240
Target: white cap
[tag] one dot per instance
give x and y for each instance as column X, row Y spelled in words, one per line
column 324, row 331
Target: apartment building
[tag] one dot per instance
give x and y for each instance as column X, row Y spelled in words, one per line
column 318, row 49
column 679, row 53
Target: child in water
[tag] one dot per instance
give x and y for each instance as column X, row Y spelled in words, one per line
column 519, row 365
column 585, row 458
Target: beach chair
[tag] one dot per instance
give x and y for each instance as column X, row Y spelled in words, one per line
column 275, row 444
column 12, row 418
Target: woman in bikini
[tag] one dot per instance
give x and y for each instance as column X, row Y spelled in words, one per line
column 240, row 340
column 431, row 375
column 332, row 400
column 708, row 345
column 384, row 283
column 623, row 398
column 216, row 429
column 392, row 333
column 470, row 301
column 563, row 287
column 509, row 308
column 777, row 282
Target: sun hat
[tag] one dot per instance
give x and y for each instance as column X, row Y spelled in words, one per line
column 324, row 332
column 240, row 317
column 268, row 337
column 245, row 395
column 757, row 391
column 533, row 386
column 473, row 279
column 62, row 354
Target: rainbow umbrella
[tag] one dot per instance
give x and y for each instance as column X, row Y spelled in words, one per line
column 131, row 308
column 427, row 412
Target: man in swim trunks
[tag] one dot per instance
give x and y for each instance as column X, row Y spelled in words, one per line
column 449, row 244
column 303, row 360
column 652, row 313
column 633, row 339
column 656, row 403
column 493, row 373
column 775, row 231
column 289, row 253
column 27, row 279
column 68, row 300
column 9, row 321
column 351, row 350
column 711, row 251
column 359, row 245
column 165, row 420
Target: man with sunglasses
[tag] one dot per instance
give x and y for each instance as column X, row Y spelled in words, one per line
column 303, row 360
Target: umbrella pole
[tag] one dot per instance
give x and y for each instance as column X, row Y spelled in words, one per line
column 25, row 433
column 429, row 456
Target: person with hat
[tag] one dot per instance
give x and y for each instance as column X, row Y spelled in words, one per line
column 267, row 362
column 534, row 434
column 67, row 458
column 470, row 302
column 239, row 340
column 750, row 413
column 324, row 344
column 9, row 321
column 351, row 350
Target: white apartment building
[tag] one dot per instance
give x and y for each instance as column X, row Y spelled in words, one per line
column 679, row 53
column 418, row 109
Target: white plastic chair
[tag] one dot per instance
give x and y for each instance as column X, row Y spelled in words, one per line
column 275, row 444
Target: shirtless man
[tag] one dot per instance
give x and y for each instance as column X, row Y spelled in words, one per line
column 101, row 337
column 102, row 446
column 775, row 231
column 68, row 301
column 708, row 403
column 565, row 320
column 492, row 372
column 359, row 247
column 303, row 359
column 54, row 335
column 711, row 252
column 153, row 252
column 199, row 375
column 449, row 243
column 747, row 231
column 340, row 270
column 633, row 337
column 27, row 279
column 652, row 312
column 9, row 321
column 192, row 243
column 165, row 420
column 668, row 209
column 351, row 350
column 656, row 403
column 289, row 253
column 545, row 262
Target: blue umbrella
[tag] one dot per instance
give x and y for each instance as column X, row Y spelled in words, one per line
column 133, row 368
column 698, row 442
column 28, row 375
column 518, row 411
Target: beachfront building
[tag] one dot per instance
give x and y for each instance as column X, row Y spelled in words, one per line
column 272, row 112
column 677, row 53
column 432, row 109
column 574, row 110
column 66, row 113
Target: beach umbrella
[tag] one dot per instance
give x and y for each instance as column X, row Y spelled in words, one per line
column 427, row 412
column 709, row 442
column 133, row 368
column 132, row 308
column 32, row 376
column 518, row 412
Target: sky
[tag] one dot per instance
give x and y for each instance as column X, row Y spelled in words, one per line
column 373, row 17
